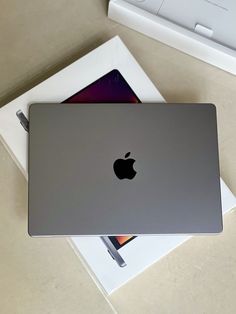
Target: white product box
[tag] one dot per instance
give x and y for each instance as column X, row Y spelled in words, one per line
column 204, row 29
column 139, row 253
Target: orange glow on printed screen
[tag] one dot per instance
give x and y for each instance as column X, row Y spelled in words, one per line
column 122, row 239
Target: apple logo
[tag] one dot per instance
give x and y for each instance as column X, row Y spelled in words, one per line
column 123, row 168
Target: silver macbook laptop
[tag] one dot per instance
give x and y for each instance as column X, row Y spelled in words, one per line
column 108, row 169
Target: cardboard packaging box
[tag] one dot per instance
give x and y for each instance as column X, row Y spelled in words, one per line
column 203, row 29
column 111, row 261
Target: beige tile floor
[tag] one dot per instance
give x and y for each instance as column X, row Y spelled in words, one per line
column 37, row 38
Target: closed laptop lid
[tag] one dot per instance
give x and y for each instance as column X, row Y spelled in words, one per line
column 108, row 169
